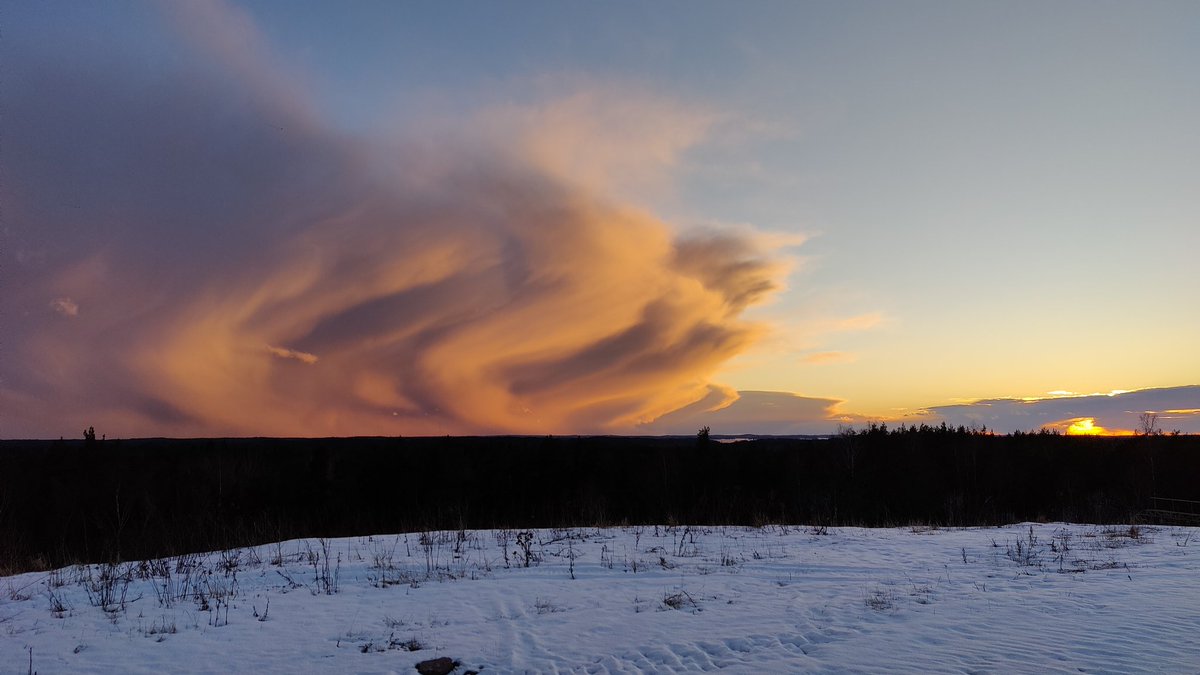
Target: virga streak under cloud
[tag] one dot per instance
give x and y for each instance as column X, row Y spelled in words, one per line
column 198, row 254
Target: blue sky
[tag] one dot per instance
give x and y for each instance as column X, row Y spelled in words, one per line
column 951, row 201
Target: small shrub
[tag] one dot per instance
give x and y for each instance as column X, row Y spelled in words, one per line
column 679, row 600
column 16, row 594
column 1025, row 552
column 410, row 645
column 324, row 581
column 881, row 600
column 542, row 606
column 58, row 605
column 685, row 543
column 160, row 628
column 727, row 558
column 109, row 589
column 922, row 593
column 525, row 542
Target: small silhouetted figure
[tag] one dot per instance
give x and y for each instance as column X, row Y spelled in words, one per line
column 89, row 435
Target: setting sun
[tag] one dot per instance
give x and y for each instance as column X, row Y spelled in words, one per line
column 1086, row 426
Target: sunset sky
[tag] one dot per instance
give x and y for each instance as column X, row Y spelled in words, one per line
column 319, row 218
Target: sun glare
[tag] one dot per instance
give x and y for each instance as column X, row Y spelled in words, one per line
column 1086, row 426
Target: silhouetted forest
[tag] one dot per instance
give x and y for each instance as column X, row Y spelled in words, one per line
column 68, row 501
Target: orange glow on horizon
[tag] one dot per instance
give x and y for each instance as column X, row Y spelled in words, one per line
column 1086, row 426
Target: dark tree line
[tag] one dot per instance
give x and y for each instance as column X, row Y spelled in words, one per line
column 66, row 501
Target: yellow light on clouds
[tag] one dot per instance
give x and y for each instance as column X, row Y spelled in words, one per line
column 1086, row 426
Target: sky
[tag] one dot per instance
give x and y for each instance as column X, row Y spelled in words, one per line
column 317, row 219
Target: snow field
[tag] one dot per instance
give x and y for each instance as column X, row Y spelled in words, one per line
column 1021, row 598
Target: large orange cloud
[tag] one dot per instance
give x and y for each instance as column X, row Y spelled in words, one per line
column 519, row 306
column 234, row 267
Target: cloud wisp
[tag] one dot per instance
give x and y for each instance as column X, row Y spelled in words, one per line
column 754, row 412
column 229, row 265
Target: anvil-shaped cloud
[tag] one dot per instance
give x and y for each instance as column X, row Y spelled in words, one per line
column 195, row 252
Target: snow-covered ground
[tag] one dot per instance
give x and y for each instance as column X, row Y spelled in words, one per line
column 1022, row 598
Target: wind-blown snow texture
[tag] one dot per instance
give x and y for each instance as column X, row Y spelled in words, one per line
column 1022, row 598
